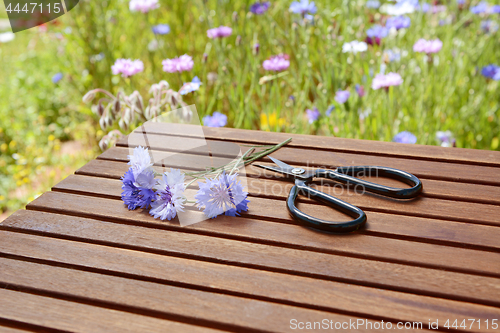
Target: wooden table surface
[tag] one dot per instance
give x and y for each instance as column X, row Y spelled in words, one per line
column 77, row 260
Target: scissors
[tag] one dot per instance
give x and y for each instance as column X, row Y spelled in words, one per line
column 346, row 175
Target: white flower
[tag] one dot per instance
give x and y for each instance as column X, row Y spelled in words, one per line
column 354, row 47
column 6, row 37
column 139, row 161
column 401, row 8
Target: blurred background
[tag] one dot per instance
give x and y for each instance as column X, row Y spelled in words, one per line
column 446, row 98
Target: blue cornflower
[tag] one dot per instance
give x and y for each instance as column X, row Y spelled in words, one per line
column 224, row 195
column 374, row 4
column 260, row 8
column 330, row 110
column 303, row 7
column 489, row 26
column 491, row 72
column 169, row 195
column 398, row 22
column 405, row 137
column 375, row 34
column 57, row 77
column 190, row 86
column 460, row 2
column 342, row 96
column 312, row 115
column 425, row 7
column 377, row 31
column 391, row 55
column 495, row 9
column 139, row 160
column 161, row 29
column 137, row 191
column 216, row 120
column 480, row 8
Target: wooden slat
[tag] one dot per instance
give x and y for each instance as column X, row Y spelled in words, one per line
column 423, row 152
column 330, row 160
column 75, row 317
column 422, row 206
column 13, row 329
column 423, row 229
column 322, row 295
column 285, row 255
column 157, row 299
column 432, row 188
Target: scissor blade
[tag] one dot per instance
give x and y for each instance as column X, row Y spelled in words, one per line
column 275, row 169
column 285, row 167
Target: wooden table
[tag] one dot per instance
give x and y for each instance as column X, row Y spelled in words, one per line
column 77, row 260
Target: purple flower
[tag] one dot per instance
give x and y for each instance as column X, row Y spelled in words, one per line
column 216, row 120
column 391, row 55
column 143, row 6
column 303, row 7
column 360, row 90
column 224, row 195
column 425, row 7
column 398, row 22
column 445, row 139
column 180, row 64
column 313, row 115
column 495, row 9
column 460, row 2
column 386, row 80
column 277, row 63
column 127, row 67
column 405, row 137
column 256, row 48
column 260, row 8
column 342, row 96
column 219, row 32
column 489, row 26
column 377, row 31
column 137, row 192
column 139, row 161
column 428, row 46
column 57, row 77
column 169, row 195
column 188, row 87
column 491, row 72
column 480, row 8
column 375, row 34
column 330, row 110
column 374, row 4
column 161, row 29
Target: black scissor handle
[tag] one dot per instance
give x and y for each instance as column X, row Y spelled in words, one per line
column 343, row 174
column 316, row 223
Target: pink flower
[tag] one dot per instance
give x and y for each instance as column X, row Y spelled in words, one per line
column 428, row 46
column 181, row 64
column 387, row 80
column 127, row 67
column 143, row 5
column 219, row 32
column 277, row 63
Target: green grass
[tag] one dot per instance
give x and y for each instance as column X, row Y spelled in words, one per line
column 446, row 93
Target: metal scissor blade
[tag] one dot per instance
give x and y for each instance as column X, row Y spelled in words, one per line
column 272, row 168
column 283, row 166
